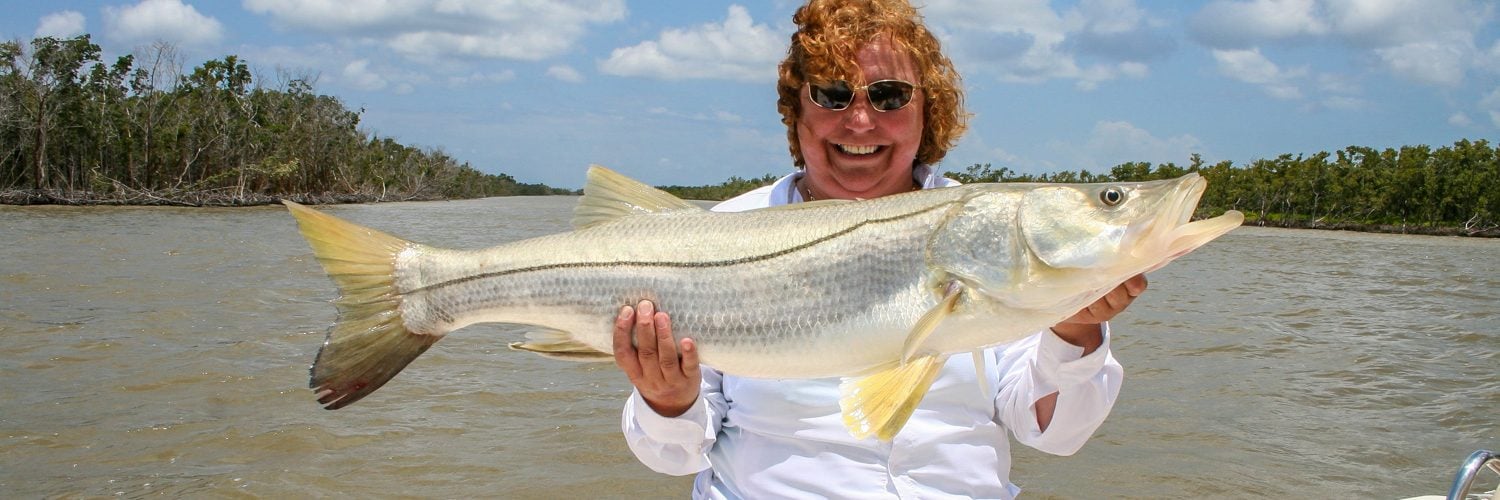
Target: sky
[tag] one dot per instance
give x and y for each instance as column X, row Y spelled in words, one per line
column 683, row 92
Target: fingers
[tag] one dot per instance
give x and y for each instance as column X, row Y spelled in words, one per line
column 1097, row 312
column 667, row 381
column 1115, row 302
column 1136, row 285
column 648, row 350
column 625, row 354
column 690, row 360
column 1112, row 303
column 644, row 346
column 667, row 358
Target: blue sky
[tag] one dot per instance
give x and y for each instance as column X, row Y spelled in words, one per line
column 681, row 92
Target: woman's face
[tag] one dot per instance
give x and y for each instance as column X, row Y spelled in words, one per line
column 858, row 152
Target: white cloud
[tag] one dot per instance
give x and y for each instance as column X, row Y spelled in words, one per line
column 358, row 75
column 168, row 20
column 433, row 29
column 1385, row 23
column 565, row 73
column 1459, row 119
column 297, row 59
column 1114, row 142
column 1491, row 105
column 1003, row 157
column 482, row 78
column 1033, row 17
column 1111, row 143
column 1344, row 103
column 1338, row 84
column 65, row 24
column 1134, row 69
column 1426, row 62
column 1251, row 67
column 372, row 75
column 1109, row 16
column 717, row 116
column 1027, row 41
column 1489, row 60
column 1229, row 24
column 737, row 49
column 1430, row 42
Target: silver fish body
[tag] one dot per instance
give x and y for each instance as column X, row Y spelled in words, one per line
column 819, row 289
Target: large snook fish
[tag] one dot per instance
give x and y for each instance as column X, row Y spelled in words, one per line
column 880, row 291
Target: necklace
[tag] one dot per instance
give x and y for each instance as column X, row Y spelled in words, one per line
column 806, row 191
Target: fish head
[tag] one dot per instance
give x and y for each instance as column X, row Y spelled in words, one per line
column 1085, row 239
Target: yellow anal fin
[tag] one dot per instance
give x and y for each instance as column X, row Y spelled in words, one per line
column 560, row 345
column 880, row 404
column 930, row 321
column 369, row 343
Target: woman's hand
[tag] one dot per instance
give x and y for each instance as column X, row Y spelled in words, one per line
column 664, row 372
column 1082, row 329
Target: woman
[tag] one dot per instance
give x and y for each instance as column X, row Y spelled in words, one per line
column 870, row 103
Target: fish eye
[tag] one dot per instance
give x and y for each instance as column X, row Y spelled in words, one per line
column 1112, row 196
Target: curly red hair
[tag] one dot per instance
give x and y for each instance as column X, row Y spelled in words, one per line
column 830, row 32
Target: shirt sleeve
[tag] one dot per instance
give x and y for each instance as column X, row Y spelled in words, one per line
column 676, row 445
column 1042, row 364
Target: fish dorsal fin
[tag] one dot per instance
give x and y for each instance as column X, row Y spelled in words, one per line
column 608, row 196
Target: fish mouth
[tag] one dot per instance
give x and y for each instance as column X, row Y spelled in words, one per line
column 1184, row 234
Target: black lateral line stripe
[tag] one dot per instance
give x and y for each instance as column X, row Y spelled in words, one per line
column 681, row 265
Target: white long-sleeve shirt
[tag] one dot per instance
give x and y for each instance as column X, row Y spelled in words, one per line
column 759, row 438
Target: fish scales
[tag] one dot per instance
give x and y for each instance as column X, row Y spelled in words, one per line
column 859, row 279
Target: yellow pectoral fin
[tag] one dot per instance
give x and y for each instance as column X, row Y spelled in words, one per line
column 880, row 404
column 930, row 321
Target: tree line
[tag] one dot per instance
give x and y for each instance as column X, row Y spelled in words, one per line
column 141, row 130
column 1417, row 189
column 735, row 186
column 1414, row 189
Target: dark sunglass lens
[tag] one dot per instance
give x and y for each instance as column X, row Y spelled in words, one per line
column 889, row 95
column 834, row 95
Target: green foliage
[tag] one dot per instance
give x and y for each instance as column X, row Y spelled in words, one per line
column 71, row 123
column 1410, row 187
column 728, row 189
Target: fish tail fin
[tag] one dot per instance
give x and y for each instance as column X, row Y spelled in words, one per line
column 558, row 344
column 369, row 343
column 880, row 404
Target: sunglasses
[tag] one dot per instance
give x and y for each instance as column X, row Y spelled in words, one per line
column 884, row 95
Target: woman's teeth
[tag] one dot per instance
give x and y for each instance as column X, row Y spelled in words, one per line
column 857, row 150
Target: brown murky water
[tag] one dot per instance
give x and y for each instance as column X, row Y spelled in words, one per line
column 162, row 351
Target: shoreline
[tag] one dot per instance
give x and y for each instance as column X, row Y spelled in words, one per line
column 28, row 197
column 1462, row 232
